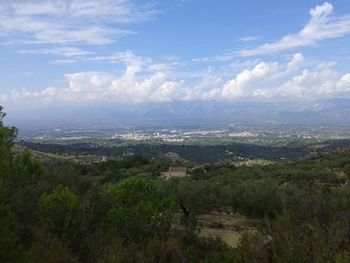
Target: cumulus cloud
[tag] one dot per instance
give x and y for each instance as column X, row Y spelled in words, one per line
column 244, row 82
column 320, row 82
column 289, row 80
column 321, row 26
column 86, row 87
column 295, row 63
column 310, row 85
column 343, row 84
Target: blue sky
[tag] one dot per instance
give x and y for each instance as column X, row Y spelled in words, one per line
column 83, row 52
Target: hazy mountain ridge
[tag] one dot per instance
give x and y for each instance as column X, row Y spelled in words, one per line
column 334, row 111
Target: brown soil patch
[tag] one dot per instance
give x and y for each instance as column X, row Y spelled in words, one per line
column 227, row 227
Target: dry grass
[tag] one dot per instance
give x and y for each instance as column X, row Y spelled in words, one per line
column 230, row 237
column 227, row 227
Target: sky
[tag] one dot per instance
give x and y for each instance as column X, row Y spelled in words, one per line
column 112, row 52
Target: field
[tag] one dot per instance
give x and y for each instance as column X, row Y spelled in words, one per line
column 227, row 227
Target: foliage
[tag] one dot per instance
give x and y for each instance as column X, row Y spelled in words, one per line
column 7, row 136
column 10, row 249
column 57, row 211
column 137, row 212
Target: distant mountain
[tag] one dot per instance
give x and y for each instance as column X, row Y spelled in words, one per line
column 335, row 111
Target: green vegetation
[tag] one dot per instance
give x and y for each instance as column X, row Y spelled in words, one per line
column 120, row 210
column 196, row 153
column 138, row 213
column 57, row 211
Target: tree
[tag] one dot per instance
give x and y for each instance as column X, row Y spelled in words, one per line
column 7, row 136
column 57, row 211
column 138, row 212
column 26, row 169
column 10, row 250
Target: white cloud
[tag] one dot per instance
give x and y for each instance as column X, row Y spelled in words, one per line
column 289, row 80
column 244, row 82
column 310, row 85
column 321, row 26
column 71, row 21
column 343, row 84
column 64, row 61
column 126, row 57
column 321, row 10
column 61, row 51
column 137, row 62
column 249, row 38
column 321, row 82
column 207, row 87
column 295, row 63
column 86, row 87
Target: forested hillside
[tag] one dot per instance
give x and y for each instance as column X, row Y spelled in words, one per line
column 121, row 210
column 193, row 153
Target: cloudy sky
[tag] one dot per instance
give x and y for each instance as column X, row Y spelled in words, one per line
column 83, row 52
